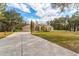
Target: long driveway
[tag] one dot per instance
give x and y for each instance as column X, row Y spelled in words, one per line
column 25, row 44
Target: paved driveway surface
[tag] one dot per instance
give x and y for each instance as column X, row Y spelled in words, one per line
column 25, row 44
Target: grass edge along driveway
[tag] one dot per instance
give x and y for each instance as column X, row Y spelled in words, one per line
column 69, row 40
column 4, row 34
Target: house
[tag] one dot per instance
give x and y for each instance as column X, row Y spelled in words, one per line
column 43, row 27
column 38, row 27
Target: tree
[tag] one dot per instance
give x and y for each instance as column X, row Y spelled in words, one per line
column 9, row 20
column 32, row 26
column 13, row 19
column 58, row 23
column 71, row 24
column 75, row 22
column 60, row 5
column 3, row 7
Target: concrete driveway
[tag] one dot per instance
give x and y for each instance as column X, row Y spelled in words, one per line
column 25, row 44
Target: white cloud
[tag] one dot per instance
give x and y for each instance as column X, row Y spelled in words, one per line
column 20, row 6
column 24, row 8
column 41, row 8
column 44, row 10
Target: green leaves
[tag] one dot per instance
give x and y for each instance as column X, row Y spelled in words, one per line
column 60, row 5
column 9, row 20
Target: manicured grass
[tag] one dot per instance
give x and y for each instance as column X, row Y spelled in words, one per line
column 66, row 39
column 4, row 34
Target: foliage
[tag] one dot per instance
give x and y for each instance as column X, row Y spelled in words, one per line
column 60, row 5
column 32, row 26
column 58, row 24
column 10, row 20
column 71, row 24
column 66, row 23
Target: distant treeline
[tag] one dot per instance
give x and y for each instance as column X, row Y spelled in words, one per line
column 65, row 23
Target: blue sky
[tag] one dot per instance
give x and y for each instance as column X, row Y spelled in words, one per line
column 39, row 11
column 28, row 13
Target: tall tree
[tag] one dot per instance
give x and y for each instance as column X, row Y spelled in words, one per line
column 3, row 7
column 13, row 19
column 32, row 26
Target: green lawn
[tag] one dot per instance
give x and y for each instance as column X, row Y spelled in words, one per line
column 66, row 39
column 4, row 34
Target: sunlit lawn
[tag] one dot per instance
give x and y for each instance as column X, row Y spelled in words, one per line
column 4, row 34
column 66, row 39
